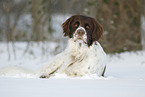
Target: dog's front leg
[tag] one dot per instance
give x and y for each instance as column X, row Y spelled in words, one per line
column 52, row 67
column 47, row 75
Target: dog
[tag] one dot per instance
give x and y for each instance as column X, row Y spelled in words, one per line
column 83, row 54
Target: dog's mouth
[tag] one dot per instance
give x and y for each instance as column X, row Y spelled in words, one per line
column 80, row 40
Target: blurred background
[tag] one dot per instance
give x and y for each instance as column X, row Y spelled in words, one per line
column 40, row 21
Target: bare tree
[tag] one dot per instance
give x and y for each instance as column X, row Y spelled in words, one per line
column 41, row 13
column 11, row 14
column 121, row 21
column 143, row 25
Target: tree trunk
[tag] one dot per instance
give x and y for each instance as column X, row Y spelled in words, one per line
column 143, row 25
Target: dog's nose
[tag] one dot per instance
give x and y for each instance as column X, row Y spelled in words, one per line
column 81, row 32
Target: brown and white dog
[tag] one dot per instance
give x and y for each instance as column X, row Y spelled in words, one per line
column 83, row 55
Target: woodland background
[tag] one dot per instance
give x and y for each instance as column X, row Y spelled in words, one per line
column 40, row 21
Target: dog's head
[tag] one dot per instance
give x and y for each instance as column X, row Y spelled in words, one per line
column 82, row 29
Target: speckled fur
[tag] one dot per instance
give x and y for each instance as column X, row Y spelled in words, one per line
column 77, row 60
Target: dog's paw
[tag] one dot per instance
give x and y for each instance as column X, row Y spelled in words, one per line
column 44, row 76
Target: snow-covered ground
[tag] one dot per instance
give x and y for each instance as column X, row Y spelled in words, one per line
column 125, row 75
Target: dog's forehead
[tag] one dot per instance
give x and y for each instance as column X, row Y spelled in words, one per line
column 82, row 19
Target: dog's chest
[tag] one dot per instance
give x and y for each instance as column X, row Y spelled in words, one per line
column 81, row 60
column 78, row 62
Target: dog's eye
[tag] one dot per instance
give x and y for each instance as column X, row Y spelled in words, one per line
column 76, row 24
column 87, row 27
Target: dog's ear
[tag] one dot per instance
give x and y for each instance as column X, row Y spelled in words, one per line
column 97, row 30
column 66, row 26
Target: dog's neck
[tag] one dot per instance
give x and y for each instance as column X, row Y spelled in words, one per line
column 77, row 50
column 72, row 44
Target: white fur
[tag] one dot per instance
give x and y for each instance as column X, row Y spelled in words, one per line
column 78, row 60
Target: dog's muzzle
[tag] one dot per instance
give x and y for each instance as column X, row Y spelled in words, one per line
column 80, row 35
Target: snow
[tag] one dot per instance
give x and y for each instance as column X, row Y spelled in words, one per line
column 125, row 75
column 15, row 87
